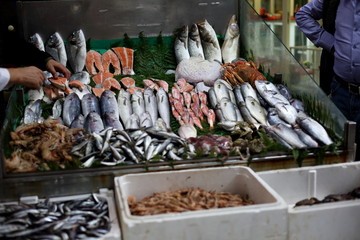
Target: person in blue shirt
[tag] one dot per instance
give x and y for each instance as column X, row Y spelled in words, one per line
column 344, row 45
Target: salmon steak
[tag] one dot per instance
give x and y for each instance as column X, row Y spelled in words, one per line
column 128, row 82
column 110, row 58
column 126, row 56
column 59, row 82
column 93, row 62
column 100, row 77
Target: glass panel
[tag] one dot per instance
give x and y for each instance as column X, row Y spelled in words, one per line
column 265, row 48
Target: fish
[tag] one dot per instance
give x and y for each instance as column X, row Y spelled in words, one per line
column 110, row 58
column 76, row 50
column 209, row 41
column 56, row 48
column 314, row 129
column 108, row 103
column 238, row 95
column 285, row 91
column 306, row 138
column 287, row 112
column 194, row 42
column 33, row 112
column 230, row 48
column 37, row 41
column 163, row 106
column 212, row 98
column 288, row 135
column 273, row 118
column 126, row 57
column 110, row 120
column 228, row 109
column 256, row 110
column 90, row 103
column 262, row 85
column 273, row 98
column 93, row 62
column 82, row 93
column 221, row 90
column 187, row 131
column 145, row 120
column 35, row 94
column 93, row 123
column 133, row 122
column 181, row 44
column 78, row 122
column 71, row 108
column 245, row 113
column 82, row 76
column 124, row 105
column 248, row 90
column 57, row 108
column 297, row 104
column 151, row 104
column 138, row 103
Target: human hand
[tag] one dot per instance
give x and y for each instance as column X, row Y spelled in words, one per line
column 30, row 77
column 54, row 67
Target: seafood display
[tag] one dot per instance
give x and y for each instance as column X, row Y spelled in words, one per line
column 183, row 200
column 352, row 195
column 86, row 218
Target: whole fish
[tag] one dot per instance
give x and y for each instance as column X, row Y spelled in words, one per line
column 238, row 95
column 82, row 76
column 90, row 103
column 195, row 47
column 137, row 102
column 93, row 123
column 305, row 138
column 212, row 98
column 315, row 129
column 57, row 108
column 230, row 48
column 297, row 104
column 78, row 122
column 37, row 41
column 33, row 112
column 256, row 110
column 108, row 103
column 287, row 112
column 262, row 85
column 124, row 105
column 273, row 118
column 228, row 109
column 289, row 135
column 245, row 113
column 133, row 122
column 56, row 48
column 110, row 120
column 71, row 108
column 221, row 90
column 76, row 51
column 35, row 94
column 273, row 98
column 146, row 120
column 163, row 106
column 150, row 103
column 181, row 45
column 248, row 90
column 284, row 91
column 209, row 41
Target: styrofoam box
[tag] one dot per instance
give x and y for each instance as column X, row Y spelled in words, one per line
column 264, row 220
column 330, row 221
column 104, row 194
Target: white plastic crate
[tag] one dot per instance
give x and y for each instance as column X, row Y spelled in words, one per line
column 104, row 194
column 264, row 220
column 327, row 221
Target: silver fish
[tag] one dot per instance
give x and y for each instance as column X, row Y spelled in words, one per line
column 262, row 85
column 138, row 103
column 90, row 103
column 285, row 91
column 230, row 48
column 245, row 113
column 221, row 90
column 82, row 76
column 78, row 122
column 151, row 104
column 297, row 104
column 287, row 112
column 56, row 48
column 110, row 120
column 238, row 95
column 163, row 105
column 146, row 120
column 248, row 90
column 228, row 109
column 71, row 108
column 273, row 98
column 315, row 129
column 273, row 118
column 76, row 51
column 209, row 41
column 93, row 123
column 181, row 45
column 212, row 97
column 33, row 112
column 82, row 93
column 305, row 138
column 57, row 108
column 124, row 105
column 195, row 47
column 35, row 94
column 133, row 122
column 289, row 135
column 37, row 41
column 108, row 103
column 256, row 110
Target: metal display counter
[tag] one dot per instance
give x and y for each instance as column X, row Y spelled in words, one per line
column 111, row 20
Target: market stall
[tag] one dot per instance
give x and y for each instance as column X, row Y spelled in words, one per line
column 149, row 32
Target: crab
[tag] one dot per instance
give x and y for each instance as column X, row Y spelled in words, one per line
column 240, row 72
